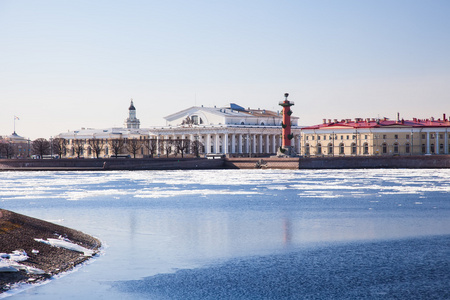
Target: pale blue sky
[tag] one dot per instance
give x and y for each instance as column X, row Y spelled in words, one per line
column 71, row 64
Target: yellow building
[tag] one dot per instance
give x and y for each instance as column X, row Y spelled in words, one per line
column 376, row 137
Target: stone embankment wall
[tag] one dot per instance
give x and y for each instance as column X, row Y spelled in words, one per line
column 262, row 163
column 432, row 161
column 412, row 162
column 110, row 164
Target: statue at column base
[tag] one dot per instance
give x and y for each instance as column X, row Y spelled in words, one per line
column 286, row 151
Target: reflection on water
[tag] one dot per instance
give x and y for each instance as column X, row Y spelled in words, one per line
column 164, row 227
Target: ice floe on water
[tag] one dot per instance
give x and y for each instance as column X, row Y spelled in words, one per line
column 153, row 184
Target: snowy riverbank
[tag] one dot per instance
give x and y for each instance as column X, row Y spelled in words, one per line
column 33, row 250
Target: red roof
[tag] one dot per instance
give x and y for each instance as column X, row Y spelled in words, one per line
column 378, row 123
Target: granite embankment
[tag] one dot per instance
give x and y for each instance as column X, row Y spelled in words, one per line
column 44, row 249
column 353, row 162
column 109, row 164
column 337, row 162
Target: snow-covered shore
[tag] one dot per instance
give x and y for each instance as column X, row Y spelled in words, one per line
column 32, row 250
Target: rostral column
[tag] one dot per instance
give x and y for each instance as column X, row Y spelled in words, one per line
column 286, row 149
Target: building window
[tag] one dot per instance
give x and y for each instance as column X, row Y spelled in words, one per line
column 307, row 149
column 312, row 138
column 384, row 146
column 384, row 136
column 424, row 149
column 407, row 148
column 353, row 148
column 319, row 149
column 441, row 148
column 196, row 120
column 348, row 137
column 307, row 137
column 330, row 149
column 318, row 137
column 341, row 148
column 342, row 137
column 365, row 137
column 324, row 137
column 407, row 136
column 396, row 136
column 441, row 136
column 106, row 151
column 354, row 137
column 396, row 148
column 423, row 136
column 366, row 148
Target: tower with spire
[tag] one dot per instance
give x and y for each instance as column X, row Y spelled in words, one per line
column 132, row 122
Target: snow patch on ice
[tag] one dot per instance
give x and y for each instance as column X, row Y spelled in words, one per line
column 9, row 262
column 66, row 244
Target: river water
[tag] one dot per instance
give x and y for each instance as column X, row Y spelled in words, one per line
column 246, row 234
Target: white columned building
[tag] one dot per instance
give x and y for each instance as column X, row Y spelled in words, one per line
column 231, row 130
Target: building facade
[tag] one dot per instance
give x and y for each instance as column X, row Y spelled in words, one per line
column 376, row 137
column 14, row 146
column 236, row 131
column 231, row 130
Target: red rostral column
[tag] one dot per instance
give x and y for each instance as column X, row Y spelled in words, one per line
column 286, row 131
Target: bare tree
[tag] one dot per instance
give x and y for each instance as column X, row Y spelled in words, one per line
column 151, row 145
column 7, row 149
column 59, row 146
column 117, row 145
column 160, row 146
column 40, row 147
column 133, row 146
column 196, row 148
column 78, row 147
column 182, row 145
column 167, row 146
column 96, row 145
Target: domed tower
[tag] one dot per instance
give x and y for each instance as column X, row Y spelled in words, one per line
column 132, row 121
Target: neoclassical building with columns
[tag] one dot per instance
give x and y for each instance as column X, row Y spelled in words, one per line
column 237, row 131
column 232, row 130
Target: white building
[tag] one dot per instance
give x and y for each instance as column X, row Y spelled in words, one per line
column 231, row 130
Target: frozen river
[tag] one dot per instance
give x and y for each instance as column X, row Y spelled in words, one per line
column 246, row 234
